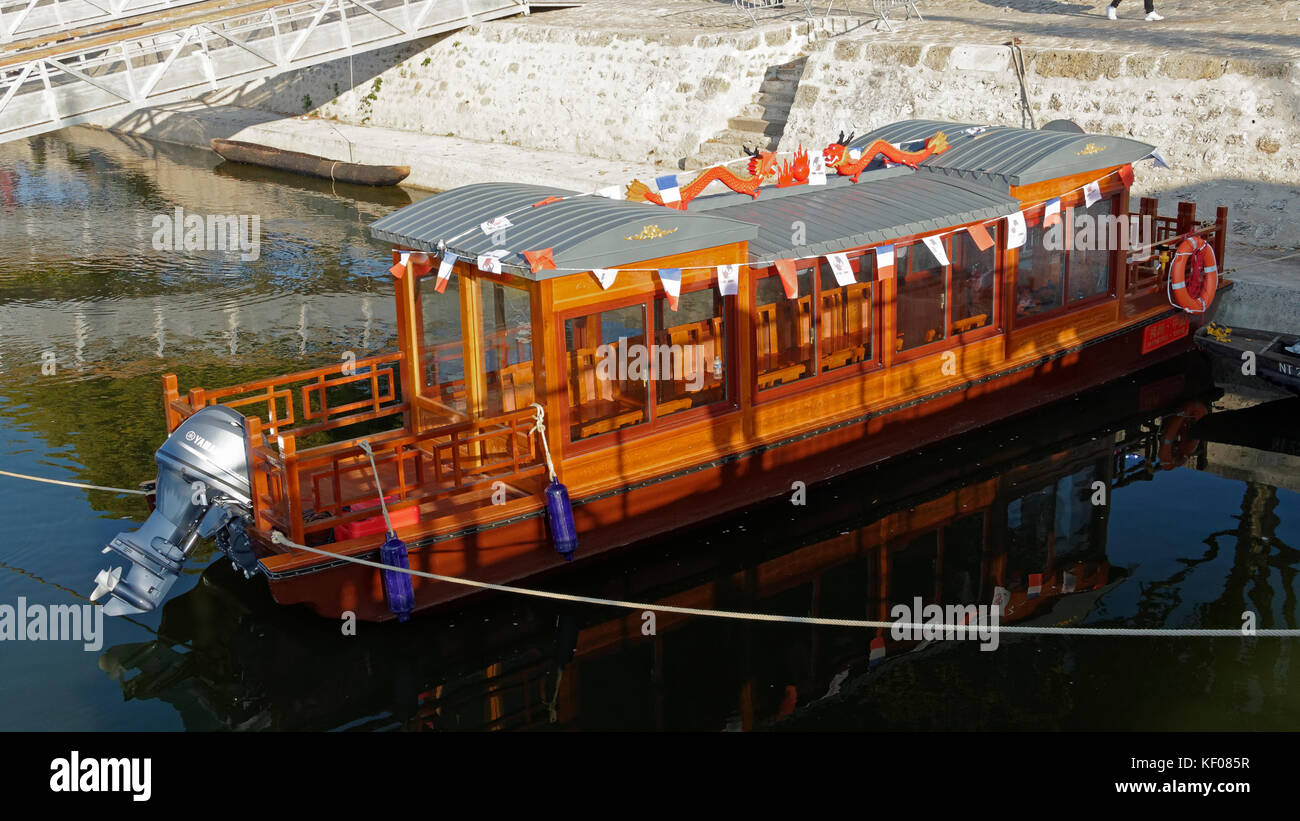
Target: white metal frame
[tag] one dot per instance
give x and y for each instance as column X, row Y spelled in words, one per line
column 883, row 7
column 86, row 83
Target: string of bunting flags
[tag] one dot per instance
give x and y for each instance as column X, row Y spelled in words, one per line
column 728, row 275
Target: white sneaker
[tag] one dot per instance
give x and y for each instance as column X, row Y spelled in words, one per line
column 1110, row 13
column 1153, row 17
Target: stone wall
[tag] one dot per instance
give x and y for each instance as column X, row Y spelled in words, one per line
column 1230, row 129
column 646, row 99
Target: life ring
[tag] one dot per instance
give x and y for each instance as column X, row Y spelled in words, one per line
column 1175, row 444
column 1193, row 286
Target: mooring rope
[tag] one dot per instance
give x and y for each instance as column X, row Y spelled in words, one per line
column 72, row 484
column 279, row 538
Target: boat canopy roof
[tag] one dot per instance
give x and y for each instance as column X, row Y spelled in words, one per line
column 968, row 182
column 585, row 232
column 1010, row 156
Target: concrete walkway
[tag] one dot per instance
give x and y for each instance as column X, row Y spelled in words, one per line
column 436, row 162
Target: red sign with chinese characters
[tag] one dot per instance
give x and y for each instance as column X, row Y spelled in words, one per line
column 1167, row 330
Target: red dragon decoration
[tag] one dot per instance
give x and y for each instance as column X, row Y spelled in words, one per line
column 837, row 154
column 793, row 173
column 762, row 165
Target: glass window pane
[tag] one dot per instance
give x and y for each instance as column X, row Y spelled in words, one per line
column 507, row 348
column 690, row 352
column 1095, row 234
column 921, row 297
column 444, row 364
column 609, row 371
column 784, row 331
column 973, row 277
column 1039, row 275
column 844, row 323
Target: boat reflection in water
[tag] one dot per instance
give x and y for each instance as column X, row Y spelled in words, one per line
column 1011, row 507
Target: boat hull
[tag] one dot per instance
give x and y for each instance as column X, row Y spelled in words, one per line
column 509, row 553
column 309, row 164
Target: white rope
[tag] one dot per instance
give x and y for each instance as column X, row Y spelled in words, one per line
column 279, row 538
column 539, row 427
column 71, row 484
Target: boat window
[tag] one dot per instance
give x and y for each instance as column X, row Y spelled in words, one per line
column 963, row 559
column 844, row 320
column 609, row 370
column 1089, row 273
column 784, row 330
column 690, row 353
column 442, row 352
column 507, row 348
column 973, row 278
column 922, row 296
column 1040, row 274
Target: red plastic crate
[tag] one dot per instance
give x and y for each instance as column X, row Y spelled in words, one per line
column 375, row 524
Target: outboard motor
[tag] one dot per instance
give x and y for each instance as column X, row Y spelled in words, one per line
column 203, row 492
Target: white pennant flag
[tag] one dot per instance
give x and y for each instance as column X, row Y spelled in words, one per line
column 728, row 279
column 605, row 276
column 446, row 265
column 884, row 256
column 1001, row 598
column 841, row 268
column 669, row 191
column 935, row 244
column 1016, row 232
column 1160, row 161
column 611, row 192
column 1091, row 193
column 493, row 225
column 817, row 169
column 491, row 261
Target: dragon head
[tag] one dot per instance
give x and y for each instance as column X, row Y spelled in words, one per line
column 837, row 153
column 762, row 164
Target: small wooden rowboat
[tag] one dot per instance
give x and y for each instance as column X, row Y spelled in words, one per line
column 1267, row 351
column 309, row 164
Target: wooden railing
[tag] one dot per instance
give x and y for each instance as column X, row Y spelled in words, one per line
column 300, row 402
column 1143, row 269
column 326, row 482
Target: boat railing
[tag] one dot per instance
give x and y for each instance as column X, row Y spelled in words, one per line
column 1144, row 267
column 306, row 402
column 314, row 490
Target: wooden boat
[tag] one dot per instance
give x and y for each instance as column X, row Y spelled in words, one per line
column 309, row 164
column 953, row 527
column 794, row 376
column 1263, row 352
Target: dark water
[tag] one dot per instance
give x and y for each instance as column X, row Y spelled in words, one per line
column 1192, row 546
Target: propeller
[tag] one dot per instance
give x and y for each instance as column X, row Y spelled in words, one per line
column 105, row 582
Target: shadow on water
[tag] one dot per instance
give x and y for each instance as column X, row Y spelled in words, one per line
column 1010, row 506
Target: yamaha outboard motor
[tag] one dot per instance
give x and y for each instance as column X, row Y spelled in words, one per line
column 203, row 492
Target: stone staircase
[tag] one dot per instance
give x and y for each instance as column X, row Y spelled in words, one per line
column 759, row 124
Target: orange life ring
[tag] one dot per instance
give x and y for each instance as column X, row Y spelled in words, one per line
column 1175, row 444
column 1193, row 285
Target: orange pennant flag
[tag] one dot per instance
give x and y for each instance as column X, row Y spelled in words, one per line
column 980, row 235
column 1126, row 174
column 546, row 201
column 399, row 264
column 785, row 267
column 541, row 260
column 421, row 263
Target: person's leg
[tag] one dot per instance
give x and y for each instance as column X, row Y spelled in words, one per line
column 1150, row 6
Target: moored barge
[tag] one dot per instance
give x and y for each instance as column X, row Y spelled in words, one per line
column 689, row 353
